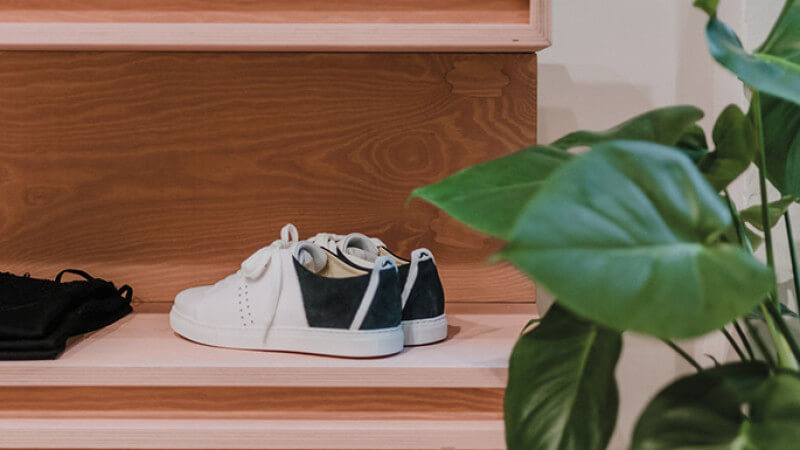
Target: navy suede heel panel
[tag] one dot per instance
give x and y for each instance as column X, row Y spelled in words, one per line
column 426, row 299
column 402, row 274
column 386, row 308
column 330, row 302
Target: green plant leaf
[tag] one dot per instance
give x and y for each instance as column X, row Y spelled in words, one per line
column 707, row 411
column 489, row 196
column 768, row 73
column 736, row 144
column 561, row 392
column 731, row 237
column 664, row 126
column 628, row 236
column 775, row 211
column 709, row 6
column 784, row 38
column 781, row 123
column 781, row 119
column 775, row 413
column 693, row 142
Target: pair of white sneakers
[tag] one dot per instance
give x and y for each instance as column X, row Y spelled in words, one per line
column 331, row 294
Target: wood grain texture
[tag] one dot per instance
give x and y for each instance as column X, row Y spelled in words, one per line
column 142, row 350
column 266, row 11
column 307, row 403
column 166, row 170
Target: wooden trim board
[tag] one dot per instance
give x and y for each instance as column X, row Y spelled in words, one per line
column 245, row 434
column 266, row 403
column 267, row 11
column 279, row 37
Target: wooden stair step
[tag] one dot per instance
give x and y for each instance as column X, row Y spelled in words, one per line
column 136, row 384
column 235, row 434
column 142, row 350
column 275, row 25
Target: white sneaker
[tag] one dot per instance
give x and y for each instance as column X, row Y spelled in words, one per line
column 295, row 296
column 422, row 296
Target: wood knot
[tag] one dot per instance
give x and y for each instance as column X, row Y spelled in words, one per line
column 43, row 196
column 482, row 77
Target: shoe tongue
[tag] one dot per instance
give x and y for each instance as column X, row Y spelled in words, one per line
column 360, row 246
column 310, row 256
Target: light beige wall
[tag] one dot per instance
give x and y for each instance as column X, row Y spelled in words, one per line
column 613, row 59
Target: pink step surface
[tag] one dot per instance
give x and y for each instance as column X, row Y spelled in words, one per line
column 142, row 350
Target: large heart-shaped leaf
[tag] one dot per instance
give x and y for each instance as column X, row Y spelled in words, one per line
column 775, row 413
column 781, row 118
column 664, row 126
column 490, row 196
column 561, row 392
column 707, row 411
column 784, row 38
column 767, row 73
column 628, row 235
column 736, row 144
column 781, row 124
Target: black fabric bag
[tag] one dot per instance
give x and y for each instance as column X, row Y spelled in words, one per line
column 38, row 316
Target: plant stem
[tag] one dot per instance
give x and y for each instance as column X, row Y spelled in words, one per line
column 785, row 356
column 738, row 224
column 792, row 253
column 762, row 181
column 784, row 329
column 744, row 340
column 759, row 343
column 733, row 344
column 685, row 355
column 744, row 242
column 782, row 347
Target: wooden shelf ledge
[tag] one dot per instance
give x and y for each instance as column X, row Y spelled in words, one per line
column 124, row 433
column 273, row 25
column 142, row 350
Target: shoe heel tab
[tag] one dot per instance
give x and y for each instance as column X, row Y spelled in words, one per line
column 385, row 263
column 380, row 306
column 421, row 254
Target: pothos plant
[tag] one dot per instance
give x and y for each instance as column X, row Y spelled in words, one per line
column 639, row 234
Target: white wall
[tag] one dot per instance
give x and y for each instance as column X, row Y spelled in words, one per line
column 613, row 59
column 616, row 58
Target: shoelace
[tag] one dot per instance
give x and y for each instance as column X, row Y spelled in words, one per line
column 257, row 263
column 331, row 241
column 327, row 240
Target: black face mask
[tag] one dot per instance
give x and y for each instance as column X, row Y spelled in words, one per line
column 37, row 316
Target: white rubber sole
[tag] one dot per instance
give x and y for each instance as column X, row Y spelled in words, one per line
column 322, row 341
column 425, row 331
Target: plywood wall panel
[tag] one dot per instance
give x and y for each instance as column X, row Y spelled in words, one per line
column 166, row 170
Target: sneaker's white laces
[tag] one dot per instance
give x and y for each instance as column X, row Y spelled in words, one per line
column 331, row 241
column 327, row 240
column 257, row 263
